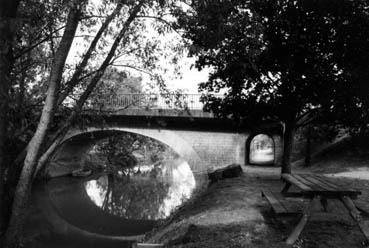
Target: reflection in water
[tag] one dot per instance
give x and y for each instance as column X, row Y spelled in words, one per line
column 96, row 190
column 148, row 192
column 183, row 183
column 141, row 180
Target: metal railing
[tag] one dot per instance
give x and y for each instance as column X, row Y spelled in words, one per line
column 147, row 101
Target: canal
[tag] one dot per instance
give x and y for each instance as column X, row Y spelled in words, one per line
column 128, row 185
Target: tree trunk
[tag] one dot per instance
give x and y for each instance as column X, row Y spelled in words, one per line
column 308, row 147
column 8, row 12
column 24, row 185
column 58, row 137
column 62, row 131
column 21, row 92
column 81, row 67
column 288, row 137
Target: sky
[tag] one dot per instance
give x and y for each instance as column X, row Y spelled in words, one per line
column 190, row 79
column 190, row 76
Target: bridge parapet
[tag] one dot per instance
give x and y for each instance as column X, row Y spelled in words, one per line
column 148, row 101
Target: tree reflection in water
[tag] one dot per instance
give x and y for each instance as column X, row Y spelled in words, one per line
column 143, row 195
column 150, row 188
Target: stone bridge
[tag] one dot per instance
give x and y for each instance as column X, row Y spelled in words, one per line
column 205, row 142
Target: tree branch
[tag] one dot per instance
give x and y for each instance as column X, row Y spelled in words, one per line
column 135, row 68
column 166, row 23
column 307, row 118
column 28, row 49
column 80, row 68
column 62, row 131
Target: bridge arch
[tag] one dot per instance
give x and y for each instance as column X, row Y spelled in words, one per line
column 167, row 137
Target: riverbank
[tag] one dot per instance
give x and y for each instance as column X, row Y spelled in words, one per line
column 232, row 213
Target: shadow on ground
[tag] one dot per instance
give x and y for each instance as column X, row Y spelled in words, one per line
column 232, row 213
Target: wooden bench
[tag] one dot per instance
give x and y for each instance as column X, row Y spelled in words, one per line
column 279, row 204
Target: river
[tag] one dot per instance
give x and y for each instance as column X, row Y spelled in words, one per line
column 110, row 207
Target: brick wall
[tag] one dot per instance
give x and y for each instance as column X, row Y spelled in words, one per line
column 217, row 149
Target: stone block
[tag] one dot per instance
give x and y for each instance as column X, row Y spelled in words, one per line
column 233, row 170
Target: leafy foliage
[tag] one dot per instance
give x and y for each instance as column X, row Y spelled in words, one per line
column 130, row 192
column 38, row 33
column 38, row 68
column 125, row 151
column 139, row 198
column 282, row 59
column 114, row 84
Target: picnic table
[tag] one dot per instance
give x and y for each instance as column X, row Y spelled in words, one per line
column 317, row 189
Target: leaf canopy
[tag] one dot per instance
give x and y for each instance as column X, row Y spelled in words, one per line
column 281, row 59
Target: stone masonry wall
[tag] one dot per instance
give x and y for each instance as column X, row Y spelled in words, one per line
column 217, row 149
column 203, row 150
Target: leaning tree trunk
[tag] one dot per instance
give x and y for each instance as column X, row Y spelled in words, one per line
column 288, row 136
column 62, row 131
column 8, row 12
column 71, row 84
column 86, row 57
column 77, row 75
column 24, row 185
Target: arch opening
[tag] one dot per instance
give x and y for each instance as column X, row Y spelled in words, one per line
column 82, row 148
column 261, row 150
column 167, row 137
column 137, row 178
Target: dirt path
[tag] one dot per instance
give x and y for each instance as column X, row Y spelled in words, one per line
column 231, row 213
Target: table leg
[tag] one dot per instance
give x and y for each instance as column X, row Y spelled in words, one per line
column 355, row 214
column 305, row 216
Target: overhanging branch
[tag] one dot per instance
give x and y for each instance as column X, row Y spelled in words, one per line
column 160, row 19
column 134, row 68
